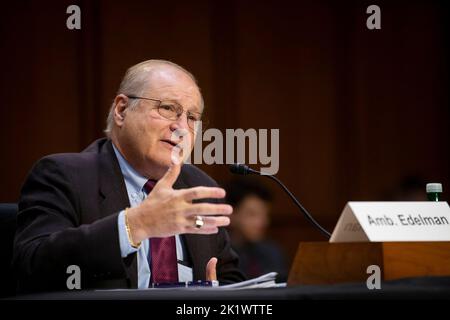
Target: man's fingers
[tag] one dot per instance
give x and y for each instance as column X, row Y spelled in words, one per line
column 215, row 222
column 209, row 209
column 170, row 176
column 203, row 193
column 210, row 225
column 211, row 273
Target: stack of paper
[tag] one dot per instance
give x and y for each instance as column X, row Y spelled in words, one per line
column 265, row 281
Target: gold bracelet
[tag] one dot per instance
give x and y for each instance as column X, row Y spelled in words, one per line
column 127, row 226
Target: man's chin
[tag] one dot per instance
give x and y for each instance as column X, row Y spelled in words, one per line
column 174, row 156
column 164, row 164
column 157, row 167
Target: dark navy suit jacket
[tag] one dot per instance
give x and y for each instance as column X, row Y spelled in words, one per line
column 68, row 213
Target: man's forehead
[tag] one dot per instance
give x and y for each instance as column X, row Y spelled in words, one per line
column 188, row 97
column 174, row 90
column 171, row 78
column 177, row 87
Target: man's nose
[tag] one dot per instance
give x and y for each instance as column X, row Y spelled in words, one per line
column 181, row 122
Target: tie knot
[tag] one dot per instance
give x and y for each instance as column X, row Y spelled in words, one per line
column 148, row 186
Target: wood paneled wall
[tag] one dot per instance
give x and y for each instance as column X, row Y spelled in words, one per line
column 357, row 109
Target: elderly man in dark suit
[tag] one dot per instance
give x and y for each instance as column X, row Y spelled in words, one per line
column 126, row 211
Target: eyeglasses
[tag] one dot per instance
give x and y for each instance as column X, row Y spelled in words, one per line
column 173, row 111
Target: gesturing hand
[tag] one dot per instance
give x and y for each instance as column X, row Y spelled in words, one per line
column 167, row 212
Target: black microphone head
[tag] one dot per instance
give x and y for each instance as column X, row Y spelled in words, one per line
column 238, row 168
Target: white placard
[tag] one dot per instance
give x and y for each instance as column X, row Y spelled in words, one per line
column 393, row 221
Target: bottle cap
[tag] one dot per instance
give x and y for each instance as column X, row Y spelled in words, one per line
column 434, row 187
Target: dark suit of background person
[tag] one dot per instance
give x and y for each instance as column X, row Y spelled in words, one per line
column 258, row 254
column 70, row 204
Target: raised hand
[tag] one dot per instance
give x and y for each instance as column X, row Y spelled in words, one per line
column 167, row 212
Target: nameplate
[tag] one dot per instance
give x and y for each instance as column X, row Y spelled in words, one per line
column 393, row 221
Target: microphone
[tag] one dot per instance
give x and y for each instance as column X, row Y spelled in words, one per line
column 242, row 169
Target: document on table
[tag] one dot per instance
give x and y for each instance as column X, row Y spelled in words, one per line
column 265, row 281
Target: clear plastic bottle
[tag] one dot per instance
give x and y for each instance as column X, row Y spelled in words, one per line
column 434, row 191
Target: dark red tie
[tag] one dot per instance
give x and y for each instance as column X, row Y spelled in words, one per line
column 163, row 263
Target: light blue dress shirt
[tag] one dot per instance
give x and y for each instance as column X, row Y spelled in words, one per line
column 134, row 183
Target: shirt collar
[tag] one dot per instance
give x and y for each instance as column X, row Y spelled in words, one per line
column 133, row 179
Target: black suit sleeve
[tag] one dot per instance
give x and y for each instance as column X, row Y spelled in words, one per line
column 49, row 237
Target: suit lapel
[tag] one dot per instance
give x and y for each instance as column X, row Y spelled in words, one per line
column 112, row 186
column 114, row 198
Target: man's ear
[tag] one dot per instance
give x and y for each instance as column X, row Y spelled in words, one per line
column 120, row 106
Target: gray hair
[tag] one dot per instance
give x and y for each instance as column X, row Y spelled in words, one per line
column 135, row 82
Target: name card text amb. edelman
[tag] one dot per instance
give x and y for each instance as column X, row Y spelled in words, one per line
column 393, row 221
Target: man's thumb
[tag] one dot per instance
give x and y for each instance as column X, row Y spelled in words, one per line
column 211, row 273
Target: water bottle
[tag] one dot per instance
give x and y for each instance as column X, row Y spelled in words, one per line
column 434, row 191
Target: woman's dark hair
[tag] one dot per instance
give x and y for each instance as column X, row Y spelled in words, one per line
column 240, row 188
